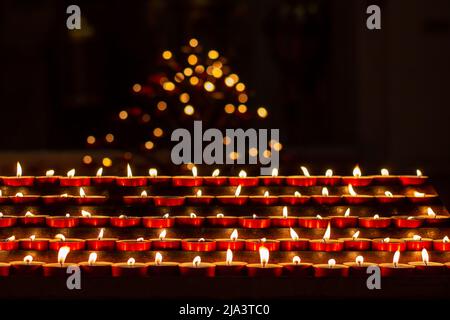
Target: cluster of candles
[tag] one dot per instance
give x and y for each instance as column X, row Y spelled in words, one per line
column 93, row 267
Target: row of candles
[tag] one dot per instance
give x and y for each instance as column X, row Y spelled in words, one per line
column 431, row 218
column 325, row 198
column 93, row 267
column 357, row 179
column 294, row 243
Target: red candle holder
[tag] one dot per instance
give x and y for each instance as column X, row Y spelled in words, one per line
column 74, row 181
column 4, row 269
column 232, row 200
column 9, row 245
column 243, row 181
column 293, row 200
column 96, row 269
column 158, row 222
column 101, row 244
column 434, row 220
column 187, row 181
column 392, row 245
column 189, row 221
column 24, row 199
column 62, row 221
column 131, row 181
column 327, row 271
column 254, row 222
column 359, row 269
column 215, row 181
column 289, row 244
column 7, row 221
column 413, row 244
column 385, row 179
column 131, row 270
column 297, row 269
column 72, row 243
column 441, row 245
column 18, row 181
column 313, row 222
column 396, row 270
column 103, row 180
column 283, row 222
column 125, row 221
column 94, row 221
column 168, row 201
column 344, row 221
column 222, row 221
column 330, row 245
column 427, row 198
column 141, row 200
column 272, row 180
column 395, row 198
column 162, row 269
column 269, row 270
column 199, row 245
column 47, row 180
column 372, row 222
column 201, row 269
column 166, row 244
column 412, row 180
column 357, row 181
column 199, row 200
column 230, row 269
column 57, row 199
column 90, row 200
column 407, row 222
column 356, row 244
column 326, row 200
column 232, row 244
column 29, row 268
column 32, row 220
column 301, row 181
column 56, row 269
column 429, row 268
column 133, row 245
column 32, row 243
column 263, row 200
column 357, row 199
column 255, row 244
column 328, row 181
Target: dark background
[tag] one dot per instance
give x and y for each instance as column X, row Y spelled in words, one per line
column 339, row 92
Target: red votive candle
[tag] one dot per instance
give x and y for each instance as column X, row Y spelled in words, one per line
column 4, row 269
column 62, row 221
column 57, row 199
column 357, row 179
column 131, row 268
column 27, row 267
column 389, row 198
column 89, row 220
column 417, row 243
column 297, row 244
column 313, row 222
column 158, row 222
column 72, row 181
column 232, row 200
column 141, row 200
column 243, row 180
column 9, row 244
column 199, row 245
column 301, row 181
column 154, row 179
column 272, row 180
column 283, row 221
column 428, row 268
column 72, row 243
column 33, row 243
column 435, row 220
column 168, row 201
column 100, row 180
column 356, row 244
column 326, row 200
column 421, row 198
column 163, row 243
column 125, row 221
column 225, row 244
column 358, row 268
column 442, row 244
column 101, row 243
column 356, row 199
column 19, row 198
column 7, row 221
column 160, row 268
column 254, row 222
column 329, row 245
column 255, row 244
column 48, row 179
column 56, row 269
column 330, row 270
column 87, row 200
column 410, row 180
column 186, row 181
column 199, row 199
column 228, row 269
column 388, row 244
column 264, row 200
column 345, row 221
column 96, row 269
column 222, row 221
column 374, row 222
column 296, row 199
column 329, row 180
column 215, row 179
column 385, row 178
column 30, row 219
column 18, row 181
column 407, row 222
column 189, row 221
column 396, row 270
column 197, row 268
column 133, row 245
column 130, row 181
column 296, row 268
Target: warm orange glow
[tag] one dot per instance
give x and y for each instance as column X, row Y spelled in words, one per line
column 293, row 234
column 419, row 194
column 357, row 172
column 149, row 145
column 29, row 214
column 192, row 59
column 266, row 194
column 168, row 86
column 167, row 55
column 347, row 213
column 161, row 105
column 219, row 215
column 240, row 87
column 87, row 159
column 229, row 259
column 19, row 194
column 140, row 239
column 297, row 194
column 90, row 140
column 327, row 233
column 123, row 115
column 209, row 86
column 213, row 54
column 92, row 258
column 264, row 256
column 184, row 97
column 189, row 110
column 12, row 238
column 196, row 262
column 158, row 132
column 305, row 171
column 387, row 240
column 32, row 237
column 242, row 108
column 188, row 72
column 62, row 254
column 229, row 108
column 137, row 87
column 193, row 42
column 376, row 216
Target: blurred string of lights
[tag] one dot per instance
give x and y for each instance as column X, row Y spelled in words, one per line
column 192, row 84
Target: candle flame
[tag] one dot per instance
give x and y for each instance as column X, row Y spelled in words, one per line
column 129, row 172
column 376, row 216
column 327, row 234
column 32, row 237
column 238, row 191
column 234, row 235
column 359, row 260
column 319, row 217
column 263, row 240
column 64, row 195
column 388, row 194
column 294, row 234
column 49, row 173
column 386, row 240
column 194, row 171
column 297, row 194
column 285, row 212
column 92, row 258
column 199, row 193
column 305, row 171
column 162, row 234
column 215, row 173
column 242, row 174
column 140, row 239
column 166, row 216
column 152, row 172
column 396, row 258
column 201, row 240
column 355, row 235
column 266, row 194
column 425, row 256
column 131, row 262
column 71, row 173
column 384, row 172
column 1, row 194
column 196, row 262
column 12, row 238
column 357, row 172
column 144, row 194
column 82, row 193
column 62, row 254
column 99, row 172
column 351, row 191
column 60, row 237
column 275, row 172
column 254, row 216
column 100, row 234
column 67, row 215
column 264, row 256
column 220, row 215
column 296, row 260
column 417, row 237
column 29, row 214
column 19, row 169
column 28, row 259
column 193, row 215
column 431, row 213
column 329, row 173
column 419, row 194
column 86, row 214
column 158, row 258
column 229, row 259
column 19, row 194
column 347, row 213
column 418, row 173
column 325, row 192
column 445, row 239
column 331, row 263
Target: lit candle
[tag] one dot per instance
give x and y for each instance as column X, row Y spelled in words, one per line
column 163, row 243
column 197, row 268
column 7, row 221
column 94, row 268
column 86, row 200
column 164, row 221
column 357, row 179
column 232, row 243
column 27, row 267
column 87, row 219
column 61, row 241
column 317, row 222
column 230, row 267
column 71, row 181
column 296, row 268
column 58, row 269
column 328, row 179
column 359, row 267
column 131, row 268
column 186, row 181
column 9, row 244
column 374, row 222
column 192, row 220
column 100, row 243
column 389, row 198
column 66, row 221
column 215, row 179
column 426, row 267
column 442, row 244
column 407, row 222
column 124, row 221
column 199, row 199
column 417, row 197
column 294, row 243
column 48, row 179
column 330, row 270
column 155, row 179
column 296, row 199
column 18, row 180
column 325, row 198
column 220, row 220
column 57, row 199
column 417, row 243
column 266, row 199
column 236, row 200
column 142, row 199
column 254, row 222
column 354, row 198
column 30, row 219
column 20, row 198
column 168, row 201
column 385, row 177
column 411, row 180
column 243, row 180
column 303, row 181
column 33, row 243
column 388, row 244
column 160, row 268
column 345, row 221
column 255, row 244
column 130, row 180
column 264, row 268
column 395, row 268
column 432, row 219
column 284, row 221
column 199, row 245
column 356, row 244
column 273, row 179
column 326, row 244
column 139, row 244
column 100, row 179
